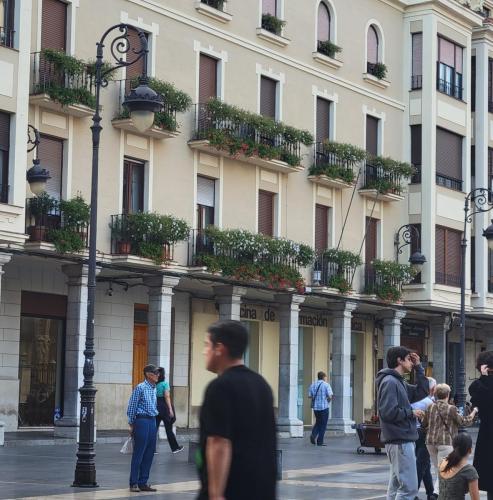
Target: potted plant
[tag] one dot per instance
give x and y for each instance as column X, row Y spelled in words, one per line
column 327, row 48
column 40, row 208
column 120, row 233
column 272, row 23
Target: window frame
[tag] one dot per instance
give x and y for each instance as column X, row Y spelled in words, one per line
column 453, row 86
column 448, row 278
column 127, row 189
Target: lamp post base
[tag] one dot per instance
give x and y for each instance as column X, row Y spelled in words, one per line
column 85, row 477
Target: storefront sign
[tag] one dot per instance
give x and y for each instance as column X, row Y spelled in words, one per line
column 259, row 314
column 313, row 320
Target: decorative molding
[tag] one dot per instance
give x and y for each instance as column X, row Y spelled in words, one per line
column 369, row 78
column 327, row 61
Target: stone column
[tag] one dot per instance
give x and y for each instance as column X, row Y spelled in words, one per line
column 391, row 330
column 489, row 341
column 438, row 330
column 160, row 290
column 228, row 297
column 4, row 259
column 288, row 423
column 75, row 338
column 340, row 381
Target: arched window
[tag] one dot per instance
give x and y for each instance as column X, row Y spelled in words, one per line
column 323, row 33
column 372, row 45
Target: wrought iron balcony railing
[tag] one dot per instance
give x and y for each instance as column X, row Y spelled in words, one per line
column 331, row 275
column 449, row 182
column 4, row 193
column 384, row 181
column 416, row 82
column 324, row 159
column 6, row 36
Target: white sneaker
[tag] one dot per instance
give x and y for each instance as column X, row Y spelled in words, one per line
column 177, row 450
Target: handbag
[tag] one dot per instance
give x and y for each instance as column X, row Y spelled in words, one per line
column 128, row 446
column 315, row 395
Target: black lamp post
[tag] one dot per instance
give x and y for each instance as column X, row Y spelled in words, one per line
column 477, row 201
column 142, row 109
column 417, row 259
column 37, row 175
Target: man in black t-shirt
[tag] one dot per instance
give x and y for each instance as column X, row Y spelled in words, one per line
column 237, row 456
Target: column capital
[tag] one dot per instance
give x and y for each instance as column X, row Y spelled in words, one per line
column 229, row 291
column 76, row 270
column 161, row 285
column 342, row 307
column 292, row 300
column 441, row 322
column 392, row 314
column 5, row 258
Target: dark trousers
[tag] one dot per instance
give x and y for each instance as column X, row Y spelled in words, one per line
column 318, row 431
column 423, row 464
column 144, row 435
column 173, row 444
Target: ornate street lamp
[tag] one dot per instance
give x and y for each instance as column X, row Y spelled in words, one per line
column 36, row 176
column 142, row 106
column 417, row 259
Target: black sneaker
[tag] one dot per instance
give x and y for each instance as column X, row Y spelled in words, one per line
column 312, row 439
column 180, row 448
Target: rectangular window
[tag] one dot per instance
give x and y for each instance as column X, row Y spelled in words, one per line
column 54, row 25
column 268, row 93
column 449, row 78
column 207, row 78
column 448, row 159
column 4, row 156
column 50, row 153
column 7, row 23
column 447, row 256
column 321, row 227
column 137, row 68
column 417, row 61
column 372, row 135
column 269, row 7
column 323, row 119
column 266, row 213
column 133, row 186
column 416, row 153
column 371, row 226
column 205, row 202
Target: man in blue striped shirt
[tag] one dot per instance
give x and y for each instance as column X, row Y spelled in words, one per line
column 141, row 413
column 320, row 393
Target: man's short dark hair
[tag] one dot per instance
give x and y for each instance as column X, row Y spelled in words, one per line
column 321, row 375
column 397, row 352
column 232, row 334
column 484, row 358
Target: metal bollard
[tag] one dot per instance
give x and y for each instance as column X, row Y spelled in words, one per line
column 279, row 464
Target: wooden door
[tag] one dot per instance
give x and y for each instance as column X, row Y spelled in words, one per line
column 139, row 353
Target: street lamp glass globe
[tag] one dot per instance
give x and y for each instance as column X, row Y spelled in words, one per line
column 417, row 261
column 142, row 119
column 37, row 187
column 488, row 234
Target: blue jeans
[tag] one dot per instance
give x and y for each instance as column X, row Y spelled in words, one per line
column 144, row 435
column 321, row 418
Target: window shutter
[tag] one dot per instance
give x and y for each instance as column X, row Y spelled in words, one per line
column 50, row 154
column 490, row 79
column 372, row 135
column 269, row 7
column 266, row 213
column 449, row 154
column 440, row 254
column 323, row 119
column 417, row 55
column 207, row 78
column 416, row 144
column 371, row 240
column 321, row 227
column 4, row 131
column 473, row 82
column 458, row 58
column 446, row 52
column 136, row 69
column 54, row 25
column 268, row 97
column 372, row 45
column 205, row 191
column 452, row 256
column 323, row 23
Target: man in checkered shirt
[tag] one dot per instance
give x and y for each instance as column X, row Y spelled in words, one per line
column 321, row 394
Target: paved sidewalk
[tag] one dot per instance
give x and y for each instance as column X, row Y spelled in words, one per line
column 309, row 472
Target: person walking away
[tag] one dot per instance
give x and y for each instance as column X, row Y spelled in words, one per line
column 457, row 477
column 481, row 391
column 441, row 423
column 165, row 410
column 237, row 455
column 398, row 419
column 423, row 463
column 141, row 413
column 321, row 394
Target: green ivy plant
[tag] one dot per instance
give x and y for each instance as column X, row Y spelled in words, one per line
column 66, row 240
column 328, row 48
column 272, row 23
column 389, row 278
column 379, row 70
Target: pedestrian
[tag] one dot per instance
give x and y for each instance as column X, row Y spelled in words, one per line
column 398, row 419
column 457, row 477
column 481, row 391
column 237, row 455
column 142, row 412
column 166, row 413
column 321, row 394
column 423, row 463
column 441, row 423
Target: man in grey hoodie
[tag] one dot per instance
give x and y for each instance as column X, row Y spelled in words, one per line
column 398, row 419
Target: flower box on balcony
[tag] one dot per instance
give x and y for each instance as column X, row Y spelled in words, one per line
column 154, row 132
column 46, row 102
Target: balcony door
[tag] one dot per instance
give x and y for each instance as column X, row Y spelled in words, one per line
column 266, row 213
column 133, row 186
column 372, row 135
column 50, row 153
column 54, row 25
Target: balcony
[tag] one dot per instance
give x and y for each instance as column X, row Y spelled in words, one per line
column 416, row 82
column 376, row 74
column 213, row 9
column 386, row 278
column 62, row 83
column 165, row 123
column 449, row 88
column 4, row 193
column 334, row 164
column 448, row 182
column 447, row 279
column 381, row 182
column 6, row 37
column 416, row 177
column 327, row 272
column 228, row 131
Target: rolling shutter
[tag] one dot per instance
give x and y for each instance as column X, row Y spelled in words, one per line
column 372, row 45
column 417, row 55
column 371, row 240
column 416, row 144
column 448, row 154
column 268, row 97
column 323, row 27
column 266, row 213
column 4, row 131
column 490, row 80
column 323, row 119
column 205, row 191
column 371, row 135
column 473, row 83
column 269, row 7
column 50, row 153
column 321, row 227
column 136, row 69
column 207, row 78
column 452, row 257
column 54, row 25
column 440, row 254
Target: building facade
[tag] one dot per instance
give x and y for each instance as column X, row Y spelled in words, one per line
column 376, row 85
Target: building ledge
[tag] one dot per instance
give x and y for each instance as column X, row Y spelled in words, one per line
column 326, row 60
column 46, row 102
column 375, row 195
column 135, row 261
column 383, row 84
column 275, row 165
column 273, row 38
column 49, row 248
column 323, row 180
column 414, row 287
column 216, row 14
column 155, row 132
